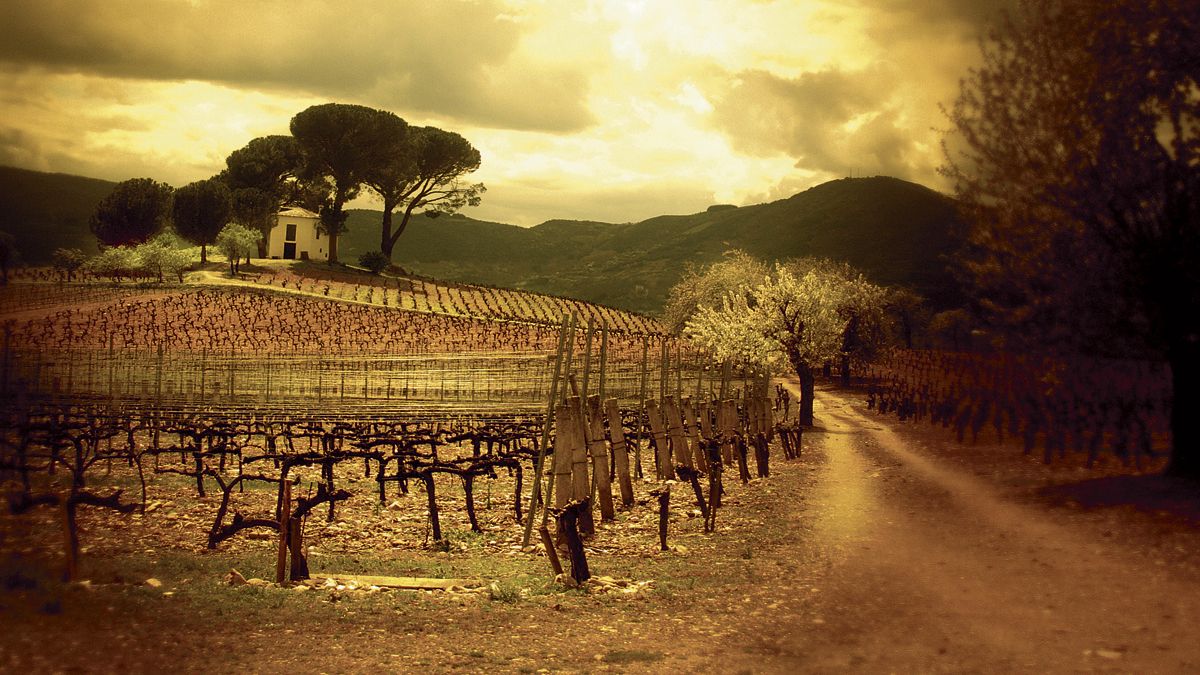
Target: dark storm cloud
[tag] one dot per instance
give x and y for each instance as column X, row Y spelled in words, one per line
column 830, row 121
column 447, row 59
column 931, row 18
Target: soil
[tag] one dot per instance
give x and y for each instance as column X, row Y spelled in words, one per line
column 887, row 547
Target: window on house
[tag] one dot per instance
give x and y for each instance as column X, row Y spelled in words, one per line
column 290, row 235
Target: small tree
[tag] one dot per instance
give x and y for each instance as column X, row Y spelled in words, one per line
column 801, row 316
column 236, row 242
column 132, row 213
column 707, row 287
column 200, row 210
column 68, row 261
column 114, row 262
column 162, row 256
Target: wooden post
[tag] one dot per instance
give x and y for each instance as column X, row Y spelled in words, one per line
column 637, row 450
column 570, row 526
column 298, row 571
column 603, row 358
column 678, row 370
column 674, row 419
column 580, row 486
column 666, row 365
column 551, row 551
column 563, row 456
column 601, row 482
column 693, row 432
column 536, row 492
column 664, row 513
column 666, row 470
column 587, row 358
column 616, row 434
column 285, row 517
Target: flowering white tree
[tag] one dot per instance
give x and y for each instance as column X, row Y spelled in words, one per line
column 803, row 315
column 707, row 287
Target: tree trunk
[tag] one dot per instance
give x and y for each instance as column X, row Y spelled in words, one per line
column 386, row 241
column 203, row 254
column 1185, row 384
column 808, row 383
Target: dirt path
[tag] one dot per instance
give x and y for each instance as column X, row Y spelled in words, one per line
column 931, row 569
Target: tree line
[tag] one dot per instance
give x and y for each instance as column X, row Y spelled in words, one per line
column 335, row 151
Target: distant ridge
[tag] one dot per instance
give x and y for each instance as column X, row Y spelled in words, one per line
column 899, row 233
column 45, row 211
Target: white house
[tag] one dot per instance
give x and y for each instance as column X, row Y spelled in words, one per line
column 295, row 235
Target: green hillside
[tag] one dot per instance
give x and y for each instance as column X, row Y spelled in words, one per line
column 45, row 211
column 899, row 233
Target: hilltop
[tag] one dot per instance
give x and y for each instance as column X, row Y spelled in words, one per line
column 899, row 233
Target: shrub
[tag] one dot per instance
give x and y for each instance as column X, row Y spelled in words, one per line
column 374, row 261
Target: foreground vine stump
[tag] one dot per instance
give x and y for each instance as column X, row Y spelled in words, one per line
column 664, row 512
column 568, row 518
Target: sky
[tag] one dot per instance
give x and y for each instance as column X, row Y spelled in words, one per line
column 608, row 110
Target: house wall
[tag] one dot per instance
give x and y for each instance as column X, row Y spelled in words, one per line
column 308, row 238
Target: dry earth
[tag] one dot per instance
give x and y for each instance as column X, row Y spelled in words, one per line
column 886, row 548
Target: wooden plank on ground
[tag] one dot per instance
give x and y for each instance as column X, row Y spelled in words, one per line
column 423, row 583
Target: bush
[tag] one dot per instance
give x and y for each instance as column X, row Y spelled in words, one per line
column 375, row 261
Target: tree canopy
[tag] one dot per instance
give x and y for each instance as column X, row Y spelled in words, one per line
column 1075, row 155
column 340, row 143
column 803, row 315
column 200, row 210
column 423, row 168
column 236, row 242
column 263, row 176
column 708, row 286
column 135, row 211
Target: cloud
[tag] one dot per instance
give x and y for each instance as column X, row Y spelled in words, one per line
column 456, row 60
column 831, row 121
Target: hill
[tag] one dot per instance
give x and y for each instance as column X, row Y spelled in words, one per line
column 45, row 211
column 897, row 232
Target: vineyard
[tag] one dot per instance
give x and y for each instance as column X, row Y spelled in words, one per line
column 1094, row 408
column 283, row 402
column 292, row 396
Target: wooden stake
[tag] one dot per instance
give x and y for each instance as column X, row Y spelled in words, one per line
column 587, row 359
column 541, row 458
column 616, row 433
column 285, row 517
column 601, row 482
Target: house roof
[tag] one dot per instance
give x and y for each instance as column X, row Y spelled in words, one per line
column 297, row 212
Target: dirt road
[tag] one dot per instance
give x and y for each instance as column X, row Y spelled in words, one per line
column 929, row 568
